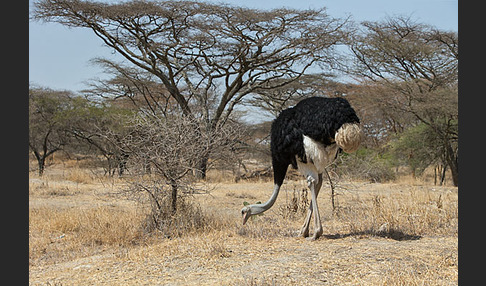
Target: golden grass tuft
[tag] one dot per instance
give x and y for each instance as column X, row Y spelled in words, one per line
column 79, row 175
column 57, row 234
column 401, row 215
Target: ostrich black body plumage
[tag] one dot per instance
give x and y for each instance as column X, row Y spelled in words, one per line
column 318, row 118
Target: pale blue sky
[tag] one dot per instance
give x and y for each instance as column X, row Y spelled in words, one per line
column 59, row 56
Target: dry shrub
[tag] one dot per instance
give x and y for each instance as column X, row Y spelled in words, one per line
column 186, row 219
column 160, row 216
column 176, row 149
column 296, row 205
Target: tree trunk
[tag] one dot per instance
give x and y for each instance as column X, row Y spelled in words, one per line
column 174, row 196
column 454, row 171
column 122, row 163
column 452, row 161
column 436, row 170
column 443, row 174
column 202, row 167
column 42, row 164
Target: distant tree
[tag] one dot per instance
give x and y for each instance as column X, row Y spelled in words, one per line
column 101, row 125
column 418, row 147
column 48, row 119
column 415, row 69
column 399, row 50
column 208, row 57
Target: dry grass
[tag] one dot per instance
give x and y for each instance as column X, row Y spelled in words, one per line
column 63, row 234
column 401, row 214
column 81, row 231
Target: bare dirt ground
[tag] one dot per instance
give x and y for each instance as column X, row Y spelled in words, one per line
column 82, row 232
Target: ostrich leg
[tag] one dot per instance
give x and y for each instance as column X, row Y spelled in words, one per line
column 304, row 231
column 317, row 218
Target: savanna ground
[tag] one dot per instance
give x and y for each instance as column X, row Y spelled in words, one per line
column 83, row 230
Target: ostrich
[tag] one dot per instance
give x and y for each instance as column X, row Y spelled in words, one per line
column 309, row 136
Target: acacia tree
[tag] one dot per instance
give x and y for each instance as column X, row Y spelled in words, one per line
column 415, row 67
column 100, row 125
column 48, row 120
column 207, row 55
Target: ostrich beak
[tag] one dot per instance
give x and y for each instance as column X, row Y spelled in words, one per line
column 245, row 217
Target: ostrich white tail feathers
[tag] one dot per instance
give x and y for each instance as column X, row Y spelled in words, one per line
column 349, row 137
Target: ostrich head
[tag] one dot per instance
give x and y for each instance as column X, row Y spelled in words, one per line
column 245, row 213
column 349, row 136
column 248, row 210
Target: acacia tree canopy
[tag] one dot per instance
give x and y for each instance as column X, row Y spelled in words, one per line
column 195, row 48
column 415, row 66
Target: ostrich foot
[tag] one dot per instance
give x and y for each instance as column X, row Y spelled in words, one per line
column 316, row 235
column 304, row 233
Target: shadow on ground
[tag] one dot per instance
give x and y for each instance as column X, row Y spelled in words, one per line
column 392, row 234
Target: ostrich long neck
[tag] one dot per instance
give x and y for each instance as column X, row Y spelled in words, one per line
column 259, row 208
